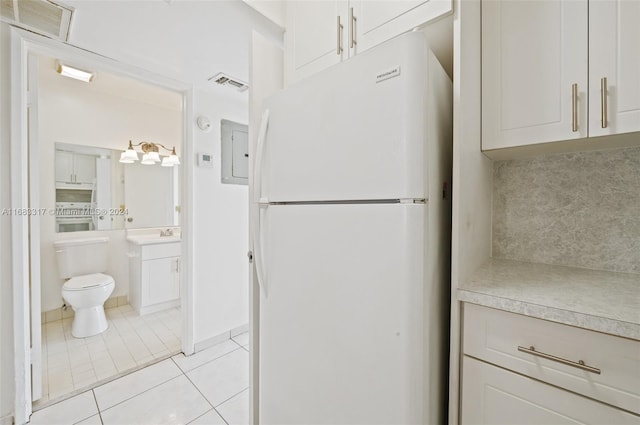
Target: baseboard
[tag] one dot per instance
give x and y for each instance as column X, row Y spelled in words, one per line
column 6, row 420
column 239, row 330
column 210, row 342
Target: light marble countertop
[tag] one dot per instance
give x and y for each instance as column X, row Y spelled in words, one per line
column 597, row 300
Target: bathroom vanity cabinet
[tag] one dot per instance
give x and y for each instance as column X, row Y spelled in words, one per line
column 154, row 275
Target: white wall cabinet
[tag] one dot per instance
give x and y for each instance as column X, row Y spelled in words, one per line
column 154, row 276
column 590, row 378
column 614, row 55
column 325, row 32
column 542, row 67
column 75, row 168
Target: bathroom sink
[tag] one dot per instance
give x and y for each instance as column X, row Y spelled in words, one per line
column 152, row 239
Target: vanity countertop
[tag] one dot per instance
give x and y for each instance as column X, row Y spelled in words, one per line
column 597, row 300
column 150, row 240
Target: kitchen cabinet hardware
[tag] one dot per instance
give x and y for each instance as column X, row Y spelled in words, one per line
column 603, row 101
column 352, row 32
column 574, row 107
column 339, row 38
column 579, row 364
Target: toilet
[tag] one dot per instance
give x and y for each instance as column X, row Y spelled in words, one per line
column 81, row 263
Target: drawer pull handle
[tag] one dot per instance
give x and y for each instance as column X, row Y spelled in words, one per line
column 579, row 364
column 574, row 107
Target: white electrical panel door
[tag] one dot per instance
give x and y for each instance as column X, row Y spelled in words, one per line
column 240, row 154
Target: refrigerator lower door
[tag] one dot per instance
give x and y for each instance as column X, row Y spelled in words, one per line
column 341, row 325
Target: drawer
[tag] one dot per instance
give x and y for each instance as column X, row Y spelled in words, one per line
column 495, row 335
column 161, row 250
column 492, row 395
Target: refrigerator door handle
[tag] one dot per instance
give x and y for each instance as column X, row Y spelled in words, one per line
column 257, row 165
column 259, row 204
column 258, row 256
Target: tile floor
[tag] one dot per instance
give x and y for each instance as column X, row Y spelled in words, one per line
column 71, row 364
column 207, row 388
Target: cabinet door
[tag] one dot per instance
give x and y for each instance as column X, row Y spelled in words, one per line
column 373, row 22
column 492, row 395
column 84, row 168
column 160, row 280
column 64, row 167
column 313, row 40
column 533, row 53
column 614, row 37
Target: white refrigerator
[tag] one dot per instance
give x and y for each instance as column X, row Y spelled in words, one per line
column 351, row 242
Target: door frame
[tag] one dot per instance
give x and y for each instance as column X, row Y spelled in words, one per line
column 24, row 43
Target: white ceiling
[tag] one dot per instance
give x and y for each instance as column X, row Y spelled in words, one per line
column 111, row 84
column 187, row 40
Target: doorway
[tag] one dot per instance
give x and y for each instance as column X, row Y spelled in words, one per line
column 32, row 269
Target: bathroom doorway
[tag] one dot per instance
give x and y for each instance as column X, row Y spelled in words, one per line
column 83, row 128
column 59, row 123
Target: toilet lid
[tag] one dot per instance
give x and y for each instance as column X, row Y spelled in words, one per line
column 87, row 281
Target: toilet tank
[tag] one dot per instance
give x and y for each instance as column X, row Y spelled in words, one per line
column 76, row 257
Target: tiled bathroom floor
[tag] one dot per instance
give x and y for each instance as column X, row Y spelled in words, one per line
column 70, row 364
column 207, row 388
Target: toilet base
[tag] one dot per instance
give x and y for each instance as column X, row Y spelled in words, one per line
column 89, row 321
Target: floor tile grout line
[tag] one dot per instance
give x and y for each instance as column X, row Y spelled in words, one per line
column 97, row 406
column 203, row 396
column 235, row 395
column 210, row 410
column 136, row 395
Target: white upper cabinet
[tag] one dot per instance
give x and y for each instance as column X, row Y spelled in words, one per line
column 372, row 22
column 315, row 36
column 75, row 168
column 614, row 66
column 534, row 72
column 553, row 70
column 322, row 33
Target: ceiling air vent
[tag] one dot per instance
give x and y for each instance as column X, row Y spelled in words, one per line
column 41, row 16
column 225, row 80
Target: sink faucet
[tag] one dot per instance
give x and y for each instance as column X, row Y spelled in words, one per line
column 168, row 232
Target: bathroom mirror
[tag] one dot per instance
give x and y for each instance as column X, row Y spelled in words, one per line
column 94, row 191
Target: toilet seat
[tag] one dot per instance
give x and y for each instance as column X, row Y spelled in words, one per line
column 87, row 281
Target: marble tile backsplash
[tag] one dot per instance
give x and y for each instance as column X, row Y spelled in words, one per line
column 578, row 209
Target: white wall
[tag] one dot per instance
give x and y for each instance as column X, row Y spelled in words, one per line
column 73, row 112
column 220, row 275
column 6, row 300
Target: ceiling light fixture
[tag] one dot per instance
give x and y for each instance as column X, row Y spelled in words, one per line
column 76, row 73
column 151, row 154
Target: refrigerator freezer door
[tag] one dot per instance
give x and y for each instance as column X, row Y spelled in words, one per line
column 355, row 131
column 341, row 326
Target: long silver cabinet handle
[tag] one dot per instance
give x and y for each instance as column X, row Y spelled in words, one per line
column 574, row 107
column 339, row 38
column 352, row 32
column 603, row 100
column 579, row 364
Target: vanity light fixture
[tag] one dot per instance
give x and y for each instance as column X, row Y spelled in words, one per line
column 151, row 154
column 73, row 72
